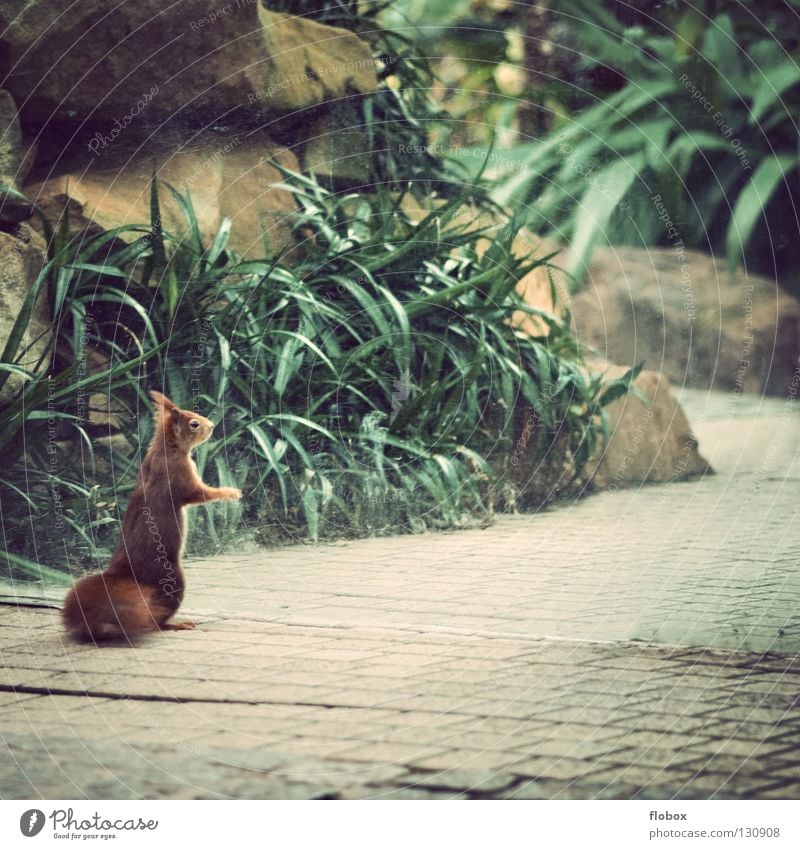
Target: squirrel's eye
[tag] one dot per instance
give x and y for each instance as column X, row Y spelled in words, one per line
column 194, row 424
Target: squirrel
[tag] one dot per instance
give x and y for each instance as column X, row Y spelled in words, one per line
column 144, row 584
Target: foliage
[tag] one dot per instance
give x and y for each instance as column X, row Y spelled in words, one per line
column 371, row 386
column 696, row 144
column 49, row 491
column 401, row 114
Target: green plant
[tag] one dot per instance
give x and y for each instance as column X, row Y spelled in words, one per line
column 45, row 495
column 476, row 52
column 383, row 364
column 371, row 387
column 401, row 114
column 696, row 145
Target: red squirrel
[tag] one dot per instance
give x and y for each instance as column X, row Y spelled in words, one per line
column 143, row 585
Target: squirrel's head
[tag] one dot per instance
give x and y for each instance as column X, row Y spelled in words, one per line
column 188, row 429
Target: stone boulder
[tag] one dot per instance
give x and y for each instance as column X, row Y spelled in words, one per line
column 311, row 63
column 22, row 257
column 13, row 209
column 115, row 65
column 689, row 319
column 336, row 147
column 544, row 288
column 648, row 442
column 226, row 175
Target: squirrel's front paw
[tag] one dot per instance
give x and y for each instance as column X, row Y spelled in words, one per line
column 229, row 493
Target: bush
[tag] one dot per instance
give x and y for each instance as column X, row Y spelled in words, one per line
column 371, row 387
column 52, row 503
column 695, row 143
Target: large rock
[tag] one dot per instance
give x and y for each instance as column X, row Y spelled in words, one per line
column 312, row 63
column 22, row 257
column 648, row 442
column 690, row 319
column 544, row 288
column 337, row 149
column 226, row 174
column 141, row 63
column 12, row 208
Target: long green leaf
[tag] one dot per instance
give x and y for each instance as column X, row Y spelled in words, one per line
column 752, row 201
column 769, row 93
column 597, row 206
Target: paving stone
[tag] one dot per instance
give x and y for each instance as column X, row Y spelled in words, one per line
column 557, row 655
column 398, row 793
column 790, row 790
column 464, row 759
column 262, row 759
column 570, row 747
column 560, row 768
column 466, row 781
column 532, row 789
column 390, row 753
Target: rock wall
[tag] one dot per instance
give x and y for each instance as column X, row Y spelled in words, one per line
column 650, row 440
column 22, row 256
column 211, row 98
column 692, row 320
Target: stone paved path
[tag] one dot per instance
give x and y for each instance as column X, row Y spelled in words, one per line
column 635, row 644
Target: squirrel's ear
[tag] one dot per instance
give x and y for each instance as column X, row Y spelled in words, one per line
column 162, row 401
column 164, row 406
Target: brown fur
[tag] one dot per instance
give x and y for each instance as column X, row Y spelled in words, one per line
column 143, row 585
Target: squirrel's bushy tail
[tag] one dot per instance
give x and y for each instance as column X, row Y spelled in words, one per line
column 99, row 608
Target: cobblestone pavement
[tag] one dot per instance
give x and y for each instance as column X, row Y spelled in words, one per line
column 634, row 644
